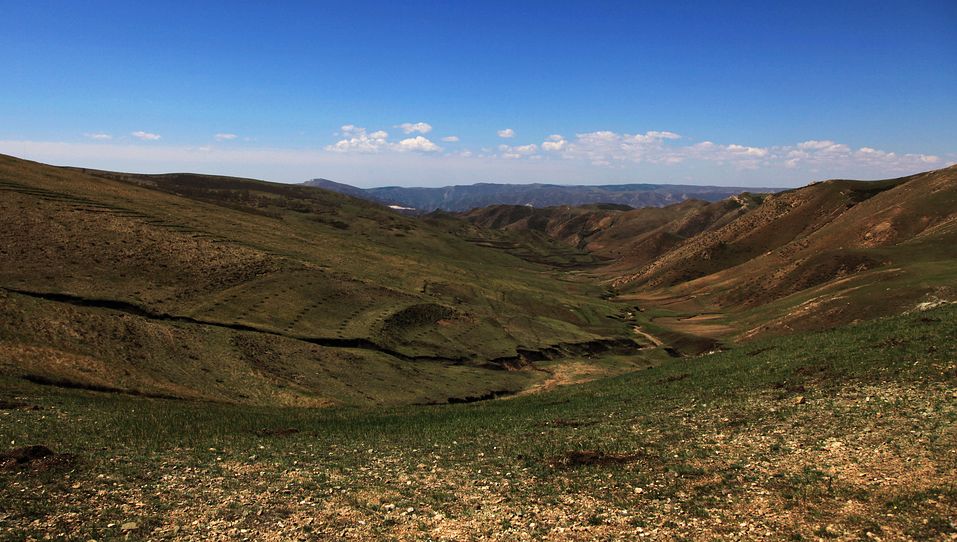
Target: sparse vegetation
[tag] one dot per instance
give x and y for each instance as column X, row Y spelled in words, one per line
column 699, row 448
column 166, row 285
column 192, row 357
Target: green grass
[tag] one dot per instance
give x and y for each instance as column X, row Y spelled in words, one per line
column 697, row 438
column 290, row 261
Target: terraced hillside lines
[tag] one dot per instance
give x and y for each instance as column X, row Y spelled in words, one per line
column 101, row 253
column 298, row 317
column 268, row 272
column 85, row 205
column 94, row 347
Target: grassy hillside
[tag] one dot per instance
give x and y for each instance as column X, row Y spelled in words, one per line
column 877, row 248
column 621, row 237
column 165, row 339
column 816, row 257
column 241, row 290
column 844, row 435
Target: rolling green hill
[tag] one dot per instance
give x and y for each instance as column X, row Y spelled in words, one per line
column 240, row 290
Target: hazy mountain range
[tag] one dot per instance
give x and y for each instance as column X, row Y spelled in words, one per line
column 466, row 197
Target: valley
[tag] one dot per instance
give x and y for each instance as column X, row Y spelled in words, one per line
column 188, row 356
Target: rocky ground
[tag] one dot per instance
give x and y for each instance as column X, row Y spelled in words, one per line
column 769, row 442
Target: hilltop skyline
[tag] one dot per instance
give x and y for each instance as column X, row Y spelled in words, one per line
column 373, row 94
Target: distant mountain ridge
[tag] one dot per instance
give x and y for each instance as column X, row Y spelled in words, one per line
column 466, row 197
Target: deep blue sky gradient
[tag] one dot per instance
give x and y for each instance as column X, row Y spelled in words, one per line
column 876, row 74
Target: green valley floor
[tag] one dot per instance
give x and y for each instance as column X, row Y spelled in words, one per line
column 840, row 435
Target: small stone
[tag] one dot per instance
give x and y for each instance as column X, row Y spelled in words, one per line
column 799, row 400
column 389, row 507
column 129, row 526
column 409, row 510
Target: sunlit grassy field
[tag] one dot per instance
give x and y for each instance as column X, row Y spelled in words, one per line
column 238, row 290
column 846, row 434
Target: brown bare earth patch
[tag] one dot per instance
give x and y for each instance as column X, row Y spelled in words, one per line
column 585, row 458
column 697, row 325
column 35, row 458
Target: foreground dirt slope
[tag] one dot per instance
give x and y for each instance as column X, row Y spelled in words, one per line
column 191, row 285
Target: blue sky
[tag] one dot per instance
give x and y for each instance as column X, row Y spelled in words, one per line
column 433, row 93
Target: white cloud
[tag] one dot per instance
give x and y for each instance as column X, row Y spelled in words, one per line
column 225, row 137
column 747, row 151
column 411, row 127
column 506, row 133
column 358, row 140
column 606, row 147
column 98, row 136
column 816, row 145
column 518, row 151
column 554, row 143
column 363, row 155
column 451, row 139
column 146, row 136
column 418, row 143
column 659, row 135
column 827, row 155
column 661, row 148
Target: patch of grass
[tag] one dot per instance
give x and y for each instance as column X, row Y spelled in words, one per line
column 475, row 466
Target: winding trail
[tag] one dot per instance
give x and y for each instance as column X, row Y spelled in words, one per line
column 654, row 340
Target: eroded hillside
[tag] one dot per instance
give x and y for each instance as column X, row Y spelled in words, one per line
column 827, row 254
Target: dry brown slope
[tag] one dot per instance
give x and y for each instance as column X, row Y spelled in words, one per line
column 781, row 219
column 629, row 252
column 879, row 231
column 623, row 238
column 881, row 255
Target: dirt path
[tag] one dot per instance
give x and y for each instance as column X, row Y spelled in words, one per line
column 654, row 340
column 563, row 374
